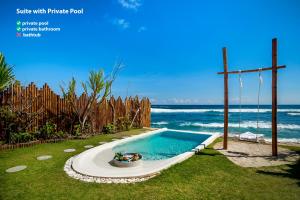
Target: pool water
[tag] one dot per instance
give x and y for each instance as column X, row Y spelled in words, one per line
column 162, row 145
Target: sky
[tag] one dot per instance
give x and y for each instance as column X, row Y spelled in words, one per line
column 171, row 49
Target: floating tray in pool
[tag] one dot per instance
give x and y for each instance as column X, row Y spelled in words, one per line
column 130, row 161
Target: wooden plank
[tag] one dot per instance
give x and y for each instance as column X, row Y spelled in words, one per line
column 253, row 70
column 274, row 97
column 225, row 98
column 31, row 99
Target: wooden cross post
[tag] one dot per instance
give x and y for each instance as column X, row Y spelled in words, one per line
column 274, row 69
column 225, row 98
column 274, row 97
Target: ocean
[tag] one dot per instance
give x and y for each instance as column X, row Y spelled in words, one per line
column 209, row 118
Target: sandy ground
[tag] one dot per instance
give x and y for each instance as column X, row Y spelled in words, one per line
column 250, row 154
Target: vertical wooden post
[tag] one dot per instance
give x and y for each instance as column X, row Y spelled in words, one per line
column 274, row 97
column 225, row 98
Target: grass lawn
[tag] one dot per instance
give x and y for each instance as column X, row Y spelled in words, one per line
column 209, row 175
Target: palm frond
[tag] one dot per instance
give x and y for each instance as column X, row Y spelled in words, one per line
column 6, row 73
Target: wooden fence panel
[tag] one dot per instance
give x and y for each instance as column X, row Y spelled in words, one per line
column 44, row 105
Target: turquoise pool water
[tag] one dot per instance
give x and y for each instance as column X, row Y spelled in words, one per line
column 162, row 145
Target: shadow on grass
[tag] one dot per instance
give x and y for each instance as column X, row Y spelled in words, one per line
column 208, row 152
column 291, row 171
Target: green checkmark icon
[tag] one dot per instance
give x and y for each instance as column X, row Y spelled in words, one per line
column 19, row 22
column 18, row 28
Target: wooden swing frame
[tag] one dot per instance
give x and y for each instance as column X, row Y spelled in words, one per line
column 274, row 69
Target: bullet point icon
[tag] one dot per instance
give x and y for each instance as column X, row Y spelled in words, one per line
column 19, row 35
column 18, row 28
column 18, row 22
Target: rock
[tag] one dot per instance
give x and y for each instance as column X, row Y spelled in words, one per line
column 16, row 168
column 44, row 157
column 69, row 150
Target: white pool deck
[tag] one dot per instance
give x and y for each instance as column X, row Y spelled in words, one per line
column 95, row 162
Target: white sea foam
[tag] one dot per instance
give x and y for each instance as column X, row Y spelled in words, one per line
column 294, row 114
column 160, row 123
column 246, row 124
column 285, row 140
column 234, row 110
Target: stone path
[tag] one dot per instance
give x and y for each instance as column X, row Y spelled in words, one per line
column 69, row 150
column 16, row 168
column 44, row 157
column 88, row 146
column 248, row 154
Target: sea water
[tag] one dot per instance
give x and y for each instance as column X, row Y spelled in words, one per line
column 206, row 118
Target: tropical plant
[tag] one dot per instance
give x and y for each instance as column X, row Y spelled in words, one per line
column 109, row 128
column 118, row 156
column 6, row 73
column 123, row 124
column 48, row 130
column 7, row 123
column 21, row 137
column 96, row 90
column 60, row 134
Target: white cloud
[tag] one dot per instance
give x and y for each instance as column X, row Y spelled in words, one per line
column 142, row 28
column 130, row 4
column 122, row 23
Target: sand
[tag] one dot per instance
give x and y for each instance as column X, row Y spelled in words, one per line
column 251, row 154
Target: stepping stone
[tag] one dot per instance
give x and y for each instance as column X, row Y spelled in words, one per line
column 16, row 169
column 69, row 150
column 102, row 142
column 115, row 139
column 44, row 157
column 88, row 146
column 124, row 137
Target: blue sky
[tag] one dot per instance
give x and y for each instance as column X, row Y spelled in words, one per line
column 171, row 49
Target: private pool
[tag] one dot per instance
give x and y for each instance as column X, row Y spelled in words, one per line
column 163, row 145
column 160, row 149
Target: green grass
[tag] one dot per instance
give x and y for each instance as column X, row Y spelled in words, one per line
column 209, row 175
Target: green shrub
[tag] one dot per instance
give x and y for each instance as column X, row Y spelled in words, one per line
column 60, row 134
column 123, row 124
column 77, row 130
column 7, row 123
column 48, row 131
column 21, row 137
column 108, row 129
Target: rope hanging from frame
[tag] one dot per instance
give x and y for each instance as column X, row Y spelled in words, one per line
column 258, row 100
column 240, row 100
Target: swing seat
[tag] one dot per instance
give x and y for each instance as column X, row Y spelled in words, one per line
column 248, row 136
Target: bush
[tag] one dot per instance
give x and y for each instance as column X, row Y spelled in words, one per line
column 7, row 123
column 108, row 129
column 123, row 124
column 48, row 131
column 21, row 137
column 60, row 134
column 77, row 130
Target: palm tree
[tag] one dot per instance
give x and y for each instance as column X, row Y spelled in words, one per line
column 6, row 73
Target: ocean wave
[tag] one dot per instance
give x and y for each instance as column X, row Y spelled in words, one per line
column 160, row 123
column 234, row 110
column 294, row 114
column 247, row 124
column 285, row 140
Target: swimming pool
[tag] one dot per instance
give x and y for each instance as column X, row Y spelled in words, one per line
column 163, row 145
column 161, row 149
